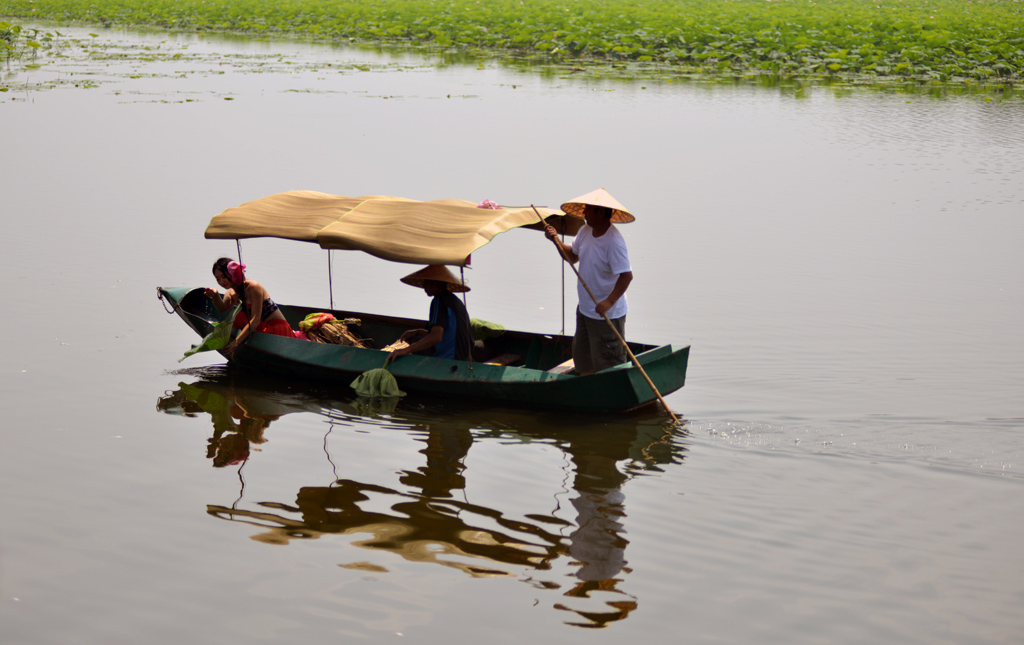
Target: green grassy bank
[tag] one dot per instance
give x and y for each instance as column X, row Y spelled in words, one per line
column 932, row 41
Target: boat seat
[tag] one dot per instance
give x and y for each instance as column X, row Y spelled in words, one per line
column 505, row 359
column 563, row 368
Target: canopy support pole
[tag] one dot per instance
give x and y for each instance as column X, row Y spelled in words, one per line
column 238, row 245
column 462, row 276
column 563, row 286
column 330, row 279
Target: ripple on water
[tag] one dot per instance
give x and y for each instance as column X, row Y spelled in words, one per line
column 791, row 543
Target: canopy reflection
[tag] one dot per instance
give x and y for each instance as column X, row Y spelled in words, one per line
column 429, row 517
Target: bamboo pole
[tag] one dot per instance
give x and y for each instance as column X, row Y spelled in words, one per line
column 622, row 340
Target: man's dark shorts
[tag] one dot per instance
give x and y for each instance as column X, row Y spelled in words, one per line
column 595, row 346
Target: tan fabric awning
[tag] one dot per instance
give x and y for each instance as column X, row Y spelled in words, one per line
column 445, row 231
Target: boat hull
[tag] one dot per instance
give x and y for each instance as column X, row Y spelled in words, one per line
column 528, row 382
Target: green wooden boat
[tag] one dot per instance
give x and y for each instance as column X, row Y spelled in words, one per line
column 515, row 368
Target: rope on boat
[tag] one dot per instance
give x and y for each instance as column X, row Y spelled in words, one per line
column 176, row 308
column 160, row 297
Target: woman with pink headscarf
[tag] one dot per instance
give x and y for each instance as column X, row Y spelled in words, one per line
column 259, row 313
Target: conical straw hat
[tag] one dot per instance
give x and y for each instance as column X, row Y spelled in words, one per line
column 435, row 272
column 599, row 197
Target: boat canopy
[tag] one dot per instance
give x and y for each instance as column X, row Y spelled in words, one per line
column 444, row 231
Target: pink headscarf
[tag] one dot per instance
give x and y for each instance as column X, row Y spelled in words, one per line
column 236, row 271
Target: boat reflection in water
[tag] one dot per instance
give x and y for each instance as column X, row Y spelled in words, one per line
column 430, row 519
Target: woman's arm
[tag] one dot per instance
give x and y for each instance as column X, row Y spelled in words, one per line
column 255, row 294
column 224, row 303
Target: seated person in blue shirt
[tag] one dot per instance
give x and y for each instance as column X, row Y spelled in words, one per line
column 448, row 334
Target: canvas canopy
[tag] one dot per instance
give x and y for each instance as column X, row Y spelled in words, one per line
column 445, row 231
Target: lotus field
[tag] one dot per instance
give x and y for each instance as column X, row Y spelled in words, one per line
column 864, row 41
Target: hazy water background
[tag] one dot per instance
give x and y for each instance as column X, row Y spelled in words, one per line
column 845, row 265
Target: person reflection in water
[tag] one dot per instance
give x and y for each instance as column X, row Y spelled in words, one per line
column 232, row 448
column 597, row 544
column 446, row 450
column 237, row 426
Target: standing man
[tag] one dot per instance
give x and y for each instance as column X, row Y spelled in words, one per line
column 604, row 266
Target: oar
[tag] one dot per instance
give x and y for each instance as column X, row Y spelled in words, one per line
column 622, row 340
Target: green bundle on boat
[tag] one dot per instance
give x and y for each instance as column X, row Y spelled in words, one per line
column 377, row 383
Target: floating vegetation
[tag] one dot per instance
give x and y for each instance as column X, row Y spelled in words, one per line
column 16, row 41
column 132, row 67
column 971, row 43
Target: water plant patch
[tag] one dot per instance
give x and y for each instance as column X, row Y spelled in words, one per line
column 851, row 41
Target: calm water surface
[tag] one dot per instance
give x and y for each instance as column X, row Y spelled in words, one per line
column 846, row 266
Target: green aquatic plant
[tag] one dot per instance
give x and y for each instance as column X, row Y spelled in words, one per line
column 16, row 41
column 930, row 41
column 10, row 36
